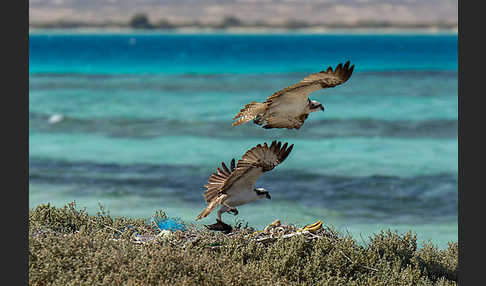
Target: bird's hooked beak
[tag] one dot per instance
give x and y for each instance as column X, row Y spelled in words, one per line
column 322, row 107
column 268, row 196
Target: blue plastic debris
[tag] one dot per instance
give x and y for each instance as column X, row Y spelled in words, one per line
column 171, row 224
column 135, row 232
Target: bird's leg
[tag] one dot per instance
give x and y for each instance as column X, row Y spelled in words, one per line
column 219, row 214
column 231, row 209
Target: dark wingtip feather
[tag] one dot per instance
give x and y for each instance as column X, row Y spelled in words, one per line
column 221, row 172
column 289, row 150
column 346, row 65
column 273, row 145
column 225, row 168
column 351, row 70
column 338, row 68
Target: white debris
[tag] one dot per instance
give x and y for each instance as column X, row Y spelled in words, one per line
column 55, row 118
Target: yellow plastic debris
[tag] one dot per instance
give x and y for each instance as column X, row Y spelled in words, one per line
column 313, row 227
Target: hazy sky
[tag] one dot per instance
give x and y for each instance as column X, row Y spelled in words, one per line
column 327, row 11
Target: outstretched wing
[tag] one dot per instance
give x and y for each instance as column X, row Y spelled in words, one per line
column 216, row 181
column 324, row 79
column 330, row 78
column 255, row 162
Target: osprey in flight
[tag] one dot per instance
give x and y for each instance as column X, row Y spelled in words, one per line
column 235, row 186
column 290, row 107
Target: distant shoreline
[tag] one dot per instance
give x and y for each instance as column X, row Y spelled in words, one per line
column 244, row 30
column 140, row 23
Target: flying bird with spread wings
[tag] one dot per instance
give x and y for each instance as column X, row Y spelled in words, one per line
column 290, row 107
column 235, row 186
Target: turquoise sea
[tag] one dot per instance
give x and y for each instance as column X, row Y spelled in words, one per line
column 137, row 122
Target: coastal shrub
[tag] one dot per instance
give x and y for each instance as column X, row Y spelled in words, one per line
column 69, row 247
column 230, row 21
column 140, row 21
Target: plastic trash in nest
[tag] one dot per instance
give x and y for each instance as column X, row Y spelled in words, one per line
column 277, row 229
column 312, row 227
column 170, row 224
column 165, row 233
column 135, row 232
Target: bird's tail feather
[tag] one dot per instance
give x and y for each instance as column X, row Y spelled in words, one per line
column 250, row 111
column 211, row 206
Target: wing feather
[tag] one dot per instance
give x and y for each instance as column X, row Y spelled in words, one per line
column 261, row 156
column 315, row 81
column 225, row 168
column 216, row 181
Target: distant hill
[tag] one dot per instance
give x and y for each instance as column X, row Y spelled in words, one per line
column 248, row 12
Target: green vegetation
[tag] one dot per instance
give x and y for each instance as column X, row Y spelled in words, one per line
column 230, row 22
column 140, row 21
column 69, row 247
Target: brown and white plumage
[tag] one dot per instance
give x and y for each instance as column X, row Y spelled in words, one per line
column 234, row 186
column 290, row 107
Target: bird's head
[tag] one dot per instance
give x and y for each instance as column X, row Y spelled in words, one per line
column 315, row 106
column 262, row 193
